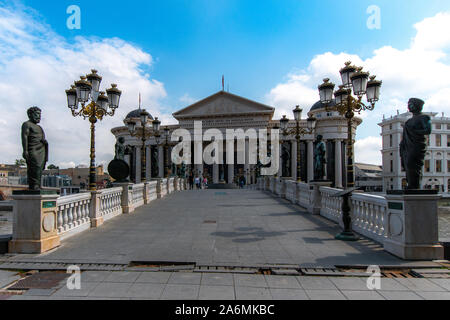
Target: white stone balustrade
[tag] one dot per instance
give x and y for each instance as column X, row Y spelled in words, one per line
column 110, row 203
column 73, row 215
column 170, row 185
column 304, row 196
column 331, row 206
column 291, row 191
column 138, row 195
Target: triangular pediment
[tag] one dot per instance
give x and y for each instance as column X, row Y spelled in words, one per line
column 223, row 104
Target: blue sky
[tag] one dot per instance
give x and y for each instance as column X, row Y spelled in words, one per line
column 175, row 52
column 254, row 43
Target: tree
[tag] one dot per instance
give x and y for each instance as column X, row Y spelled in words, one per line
column 52, row 167
column 21, row 163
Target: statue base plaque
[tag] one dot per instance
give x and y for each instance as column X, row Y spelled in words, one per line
column 35, row 222
column 412, row 225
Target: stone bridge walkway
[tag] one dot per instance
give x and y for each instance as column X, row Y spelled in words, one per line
column 230, row 227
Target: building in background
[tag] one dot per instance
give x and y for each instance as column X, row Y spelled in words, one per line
column 369, row 177
column 436, row 171
column 11, row 174
column 79, row 176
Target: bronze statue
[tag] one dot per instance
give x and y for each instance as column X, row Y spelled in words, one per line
column 319, row 159
column 413, row 146
column 286, row 156
column 121, row 149
column 35, row 148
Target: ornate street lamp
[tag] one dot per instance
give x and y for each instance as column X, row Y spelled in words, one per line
column 298, row 132
column 88, row 89
column 144, row 133
column 166, row 152
column 346, row 104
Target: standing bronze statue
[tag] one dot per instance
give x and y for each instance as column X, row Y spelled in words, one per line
column 413, row 146
column 319, row 159
column 35, row 148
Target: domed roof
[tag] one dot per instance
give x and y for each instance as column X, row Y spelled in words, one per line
column 136, row 114
column 319, row 105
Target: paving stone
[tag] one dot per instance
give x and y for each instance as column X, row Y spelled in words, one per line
column 354, row 284
column 110, row 290
column 185, row 278
column 217, row 279
column 429, row 295
column 122, row 277
column 316, row 283
column 86, row 288
column 252, row 293
column 150, row 291
column 283, row 282
column 388, row 284
column 95, row 276
column 250, row 280
column 420, row 285
column 400, row 295
column 444, row 283
column 39, row 292
column 362, row 295
column 288, row 294
column 208, row 292
column 325, row 295
column 180, row 292
column 154, row 277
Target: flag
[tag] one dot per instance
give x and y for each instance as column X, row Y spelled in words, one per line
column 139, row 100
column 223, row 83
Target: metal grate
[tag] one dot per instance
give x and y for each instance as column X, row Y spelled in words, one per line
column 43, row 280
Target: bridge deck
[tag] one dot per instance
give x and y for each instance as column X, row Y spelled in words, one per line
column 212, row 227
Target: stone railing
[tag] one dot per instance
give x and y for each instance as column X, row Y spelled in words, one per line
column 73, row 214
column 110, row 203
column 138, row 198
column 304, row 195
column 170, row 185
column 291, row 191
column 370, row 216
column 331, row 207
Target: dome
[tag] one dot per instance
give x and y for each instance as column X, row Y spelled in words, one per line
column 136, row 114
column 318, row 105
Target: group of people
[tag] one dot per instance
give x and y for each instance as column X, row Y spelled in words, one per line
column 198, row 183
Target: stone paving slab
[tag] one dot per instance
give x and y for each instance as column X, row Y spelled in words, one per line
column 251, row 228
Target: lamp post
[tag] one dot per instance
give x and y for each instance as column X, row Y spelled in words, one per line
column 78, row 96
column 346, row 104
column 144, row 133
column 166, row 152
column 298, row 132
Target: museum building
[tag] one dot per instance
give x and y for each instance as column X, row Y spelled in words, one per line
column 223, row 111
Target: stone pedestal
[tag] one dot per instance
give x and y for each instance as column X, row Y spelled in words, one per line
column 412, row 225
column 35, row 222
column 127, row 197
column 96, row 219
column 317, row 196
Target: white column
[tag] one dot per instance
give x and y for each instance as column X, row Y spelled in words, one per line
column 138, row 165
column 161, row 161
column 338, row 164
column 247, row 160
column 310, row 160
column 294, row 151
column 230, row 173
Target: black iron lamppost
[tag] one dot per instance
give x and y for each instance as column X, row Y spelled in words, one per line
column 166, row 152
column 144, row 133
column 298, row 132
column 78, row 96
column 347, row 104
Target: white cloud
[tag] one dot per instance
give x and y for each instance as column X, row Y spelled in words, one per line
column 37, row 66
column 187, row 99
column 367, row 150
column 422, row 71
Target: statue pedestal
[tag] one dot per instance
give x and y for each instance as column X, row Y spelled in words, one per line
column 412, row 225
column 317, row 196
column 35, row 222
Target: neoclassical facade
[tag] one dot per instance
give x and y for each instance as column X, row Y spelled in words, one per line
column 224, row 111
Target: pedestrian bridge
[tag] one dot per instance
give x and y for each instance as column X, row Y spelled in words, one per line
column 236, row 228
